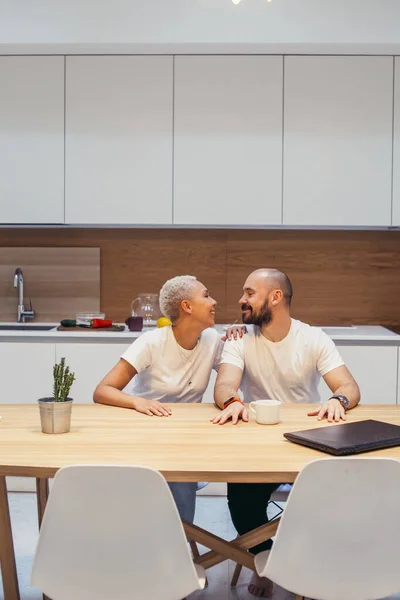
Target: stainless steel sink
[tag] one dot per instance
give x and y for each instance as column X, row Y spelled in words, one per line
column 23, row 327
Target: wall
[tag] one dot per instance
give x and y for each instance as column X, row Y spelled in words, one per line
column 194, row 22
column 339, row 277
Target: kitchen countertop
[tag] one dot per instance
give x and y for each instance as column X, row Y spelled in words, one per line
column 341, row 334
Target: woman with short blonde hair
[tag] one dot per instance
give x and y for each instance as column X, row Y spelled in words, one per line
column 169, row 364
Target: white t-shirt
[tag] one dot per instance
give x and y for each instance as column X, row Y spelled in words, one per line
column 289, row 370
column 169, row 373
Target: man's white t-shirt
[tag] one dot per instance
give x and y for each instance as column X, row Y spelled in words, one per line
column 289, row 370
column 169, row 373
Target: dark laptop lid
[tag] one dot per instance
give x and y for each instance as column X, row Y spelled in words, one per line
column 349, row 438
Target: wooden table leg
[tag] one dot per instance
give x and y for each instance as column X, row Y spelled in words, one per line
column 42, row 494
column 7, row 555
column 222, row 549
column 194, row 549
column 236, row 575
column 196, row 554
column 235, row 550
column 253, row 538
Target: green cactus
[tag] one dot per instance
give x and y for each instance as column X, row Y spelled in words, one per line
column 63, row 380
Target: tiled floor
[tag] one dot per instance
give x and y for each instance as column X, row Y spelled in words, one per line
column 211, row 513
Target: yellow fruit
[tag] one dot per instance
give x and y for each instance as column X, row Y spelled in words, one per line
column 163, row 321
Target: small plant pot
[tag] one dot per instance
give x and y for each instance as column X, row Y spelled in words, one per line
column 55, row 417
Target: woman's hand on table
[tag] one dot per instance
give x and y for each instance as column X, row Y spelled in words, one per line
column 151, row 407
column 332, row 409
column 233, row 332
column 234, row 411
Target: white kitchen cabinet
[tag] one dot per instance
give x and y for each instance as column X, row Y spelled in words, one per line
column 90, row 362
column 228, row 140
column 396, row 145
column 338, row 140
column 375, row 370
column 119, row 139
column 31, row 139
column 27, row 372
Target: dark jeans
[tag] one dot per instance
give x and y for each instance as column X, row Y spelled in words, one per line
column 248, row 507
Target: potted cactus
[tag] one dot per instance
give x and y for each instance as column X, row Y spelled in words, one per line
column 55, row 412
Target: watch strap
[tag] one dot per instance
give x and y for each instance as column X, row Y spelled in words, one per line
column 342, row 399
column 232, row 400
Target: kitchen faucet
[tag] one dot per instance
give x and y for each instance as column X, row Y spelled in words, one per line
column 19, row 283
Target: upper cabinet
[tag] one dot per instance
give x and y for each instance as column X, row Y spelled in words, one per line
column 31, row 139
column 200, row 140
column 228, row 140
column 338, row 140
column 396, row 146
column 119, row 139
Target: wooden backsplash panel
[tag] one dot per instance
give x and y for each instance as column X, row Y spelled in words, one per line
column 338, row 276
column 60, row 281
column 139, row 260
column 142, row 260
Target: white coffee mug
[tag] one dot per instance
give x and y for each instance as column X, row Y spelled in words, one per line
column 266, row 411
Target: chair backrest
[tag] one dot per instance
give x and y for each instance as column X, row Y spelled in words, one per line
column 112, row 532
column 339, row 536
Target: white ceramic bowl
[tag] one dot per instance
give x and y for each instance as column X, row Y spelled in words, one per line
column 85, row 318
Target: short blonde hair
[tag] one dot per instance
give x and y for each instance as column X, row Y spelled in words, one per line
column 173, row 292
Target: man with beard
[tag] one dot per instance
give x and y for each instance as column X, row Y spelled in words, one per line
column 282, row 359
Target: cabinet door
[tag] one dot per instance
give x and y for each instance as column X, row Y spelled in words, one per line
column 31, row 139
column 228, row 140
column 396, row 146
column 27, row 372
column 90, row 363
column 119, row 139
column 375, row 370
column 338, row 140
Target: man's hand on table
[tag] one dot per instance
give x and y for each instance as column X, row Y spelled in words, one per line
column 234, row 411
column 332, row 409
column 151, row 407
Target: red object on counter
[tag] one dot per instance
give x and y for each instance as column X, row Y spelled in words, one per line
column 95, row 323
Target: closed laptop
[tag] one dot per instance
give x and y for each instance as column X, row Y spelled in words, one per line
column 349, row 438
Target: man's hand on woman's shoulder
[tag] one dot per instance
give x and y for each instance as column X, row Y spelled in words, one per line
column 233, row 332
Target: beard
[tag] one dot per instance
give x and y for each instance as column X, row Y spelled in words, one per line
column 262, row 317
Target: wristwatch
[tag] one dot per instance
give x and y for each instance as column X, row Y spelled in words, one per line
column 343, row 400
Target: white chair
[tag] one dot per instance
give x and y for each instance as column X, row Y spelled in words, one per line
column 339, row 535
column 113, row 532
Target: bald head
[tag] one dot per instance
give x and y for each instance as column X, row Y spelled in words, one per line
column 275, row 279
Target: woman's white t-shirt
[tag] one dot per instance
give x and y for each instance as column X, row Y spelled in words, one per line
column 289, row 370
column 169, row 373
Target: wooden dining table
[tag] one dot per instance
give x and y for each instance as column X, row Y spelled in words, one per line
column 184, row 447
